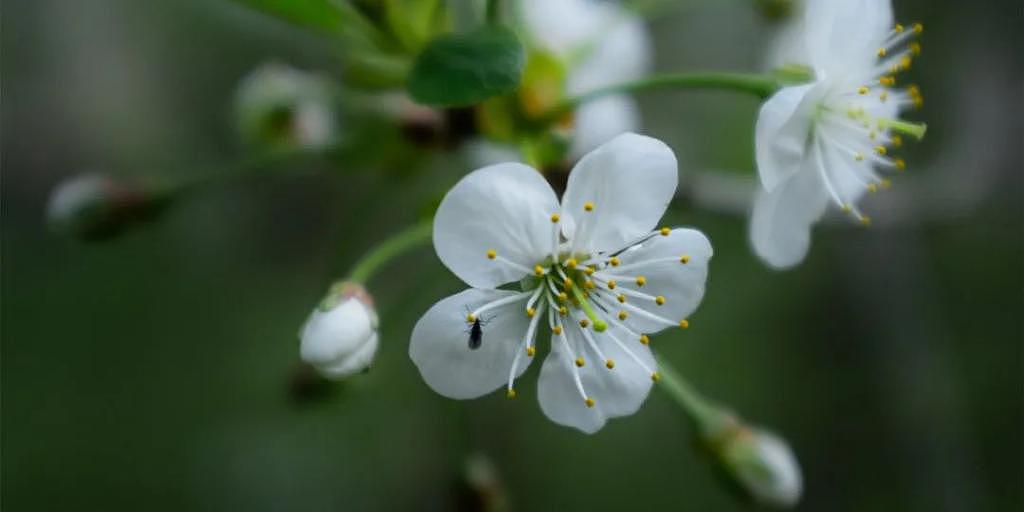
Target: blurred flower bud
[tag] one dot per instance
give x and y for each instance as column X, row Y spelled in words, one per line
column 280, row 106
column 340, row 337
column 481, row 488
column 761, row 463
column 96, row 207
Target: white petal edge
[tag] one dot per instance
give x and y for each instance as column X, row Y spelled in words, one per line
column 440, row 344
column 781, row 132
column 630, row 181
column 505, row 207
column 781, row 220
column 616, row 392
column 843, row 36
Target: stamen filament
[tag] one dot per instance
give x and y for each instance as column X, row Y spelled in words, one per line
column 599, row 324
column 500, row 302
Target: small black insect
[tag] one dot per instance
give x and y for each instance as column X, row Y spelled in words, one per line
column 476, row 335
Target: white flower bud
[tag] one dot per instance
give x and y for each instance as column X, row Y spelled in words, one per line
column 278, row 105
column 340, row 337
column 764, row 466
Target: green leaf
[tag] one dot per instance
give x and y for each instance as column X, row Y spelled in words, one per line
column 463, row 69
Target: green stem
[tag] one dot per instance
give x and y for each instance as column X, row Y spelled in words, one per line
column 599, row 324
column 239, row 169
column 387, row 250
column 707, row 416
column 760, row 85
column 493, row 12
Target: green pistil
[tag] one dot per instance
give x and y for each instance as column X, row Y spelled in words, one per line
column 915, row 130
column 599, row 324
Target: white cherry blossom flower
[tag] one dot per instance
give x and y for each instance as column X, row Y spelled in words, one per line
column 830, row 141
column 591, row 272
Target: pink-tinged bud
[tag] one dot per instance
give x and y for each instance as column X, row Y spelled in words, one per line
column 97, row 207
column 340, row 337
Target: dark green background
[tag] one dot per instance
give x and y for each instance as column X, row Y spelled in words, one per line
column 150, row 373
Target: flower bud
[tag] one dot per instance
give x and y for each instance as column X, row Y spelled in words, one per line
column 96, row 206
column 280, row 106
column 340, row 337
column 762, row 464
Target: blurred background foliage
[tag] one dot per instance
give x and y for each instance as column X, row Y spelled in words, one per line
column 153, row 371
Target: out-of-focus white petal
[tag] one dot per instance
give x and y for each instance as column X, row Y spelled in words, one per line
column 440, row 344
column 843, row 36
column 780, row 225
column 620, row 50
column 628, row 182
column 504, row 207
column 660, row 261
column 619, row 391
column 782, row 130
column 358, row 361
column 599, row 121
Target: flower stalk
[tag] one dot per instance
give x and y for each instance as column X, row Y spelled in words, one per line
column 410, row 238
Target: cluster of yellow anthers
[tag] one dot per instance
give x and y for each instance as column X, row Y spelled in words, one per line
column 591, row 291
column 883, row 133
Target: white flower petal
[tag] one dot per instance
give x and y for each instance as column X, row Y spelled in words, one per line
column 440, row 344
column 353, row 363
column 843, row 36
column 630, row 181
column 780, row 225
column 505, row 207
column 616, row 392
column 781, row 132
column 599, row 121
column 680, row 284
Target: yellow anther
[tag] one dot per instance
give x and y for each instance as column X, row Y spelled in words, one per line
column 859, row 157
column 872, row 187
column 862, row 90
column 887, row 80
column 896, row 141
column 872, row 134
column 884, row 95
column 684, row 259
column 567, row 283
column 589, row 271
column 659, row 300
column 641, row 280
column 580, row 362
column 623, row 315
column 511, row 393
column 886, row 183
column 584, row 323
column 611, row 284
column 880, row 150
column 609, row 364
column 588, row 206
column 847, row 208
column 655, row 376
column 589, row 402
column 665, row 231
column 898, row 28
column 588, row 284
column 621, row 298
column 865, row 221
column 491, row 254
column 684, row 324
column 905, row 62
column 913, row 90
column 562, row 296
column 470, row 318
column 531, row 351
column 530, row 312
column 882, row 52
column 555, row 217
column 900, row 164
column 557, row 329
column 571, row 263
column 644, row 339
column 614, row 261
column 562, row 310
column 538, row 270
column 918, row 101
column 918, row 28
column 915, row 48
